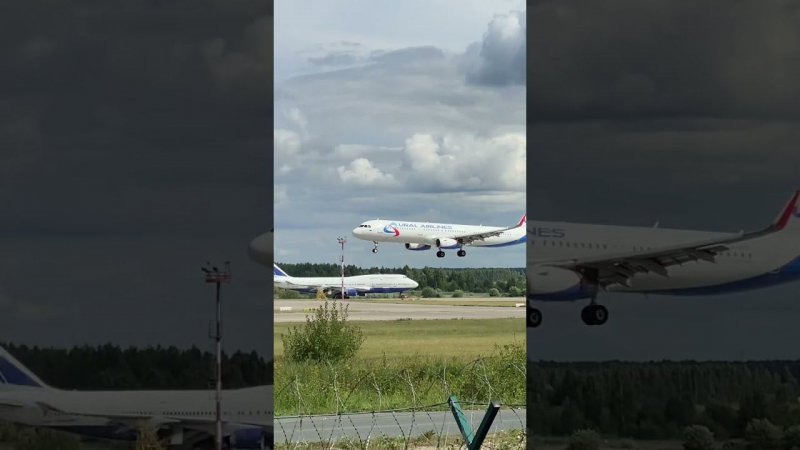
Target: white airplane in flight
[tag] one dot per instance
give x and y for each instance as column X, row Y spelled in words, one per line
column 568, row 262
column 383, row 283
column 261, row 250
column 423, row 235
column 185, row 419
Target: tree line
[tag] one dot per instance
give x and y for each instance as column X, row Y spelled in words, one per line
column 658, row 400
column 112, row 367
column 505, row 280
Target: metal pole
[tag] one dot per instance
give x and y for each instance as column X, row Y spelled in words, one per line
column 342, row 241
column 215, row 276
column 219, row 372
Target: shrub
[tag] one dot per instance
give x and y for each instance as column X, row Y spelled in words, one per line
column 791, row 438
column 761, row 434
column 326, row 336
column 584, row 440
column 458, row 293
column 43, row 439
column 698, row 437
column 493, row 292
column 515, row 291
column 429, row 292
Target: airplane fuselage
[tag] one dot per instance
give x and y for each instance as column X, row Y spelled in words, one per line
column 425, row 233
column 376, row 283
column 762, row 261
column 99, row 413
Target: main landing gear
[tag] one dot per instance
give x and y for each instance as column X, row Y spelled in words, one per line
column 461, row 253
column 534, row 317
column 375, row 249
column 594, row 314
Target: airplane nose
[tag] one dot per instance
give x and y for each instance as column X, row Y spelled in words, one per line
column 260, row 249
column 356, row 232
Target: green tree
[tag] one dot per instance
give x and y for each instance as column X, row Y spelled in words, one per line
column 494, row 292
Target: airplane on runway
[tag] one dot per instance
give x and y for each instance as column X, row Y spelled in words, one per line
column 184, row 418
column 383, row 283
column 422, row 236
column 261, row 250
column 568, row 262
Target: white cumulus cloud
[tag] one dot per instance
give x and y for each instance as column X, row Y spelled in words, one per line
column 361, row 172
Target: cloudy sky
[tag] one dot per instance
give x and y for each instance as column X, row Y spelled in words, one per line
column 673, row 111
column 134, row 146
column 410, row 111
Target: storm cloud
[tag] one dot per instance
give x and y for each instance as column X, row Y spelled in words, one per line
column 134, row 146
column 676, row 112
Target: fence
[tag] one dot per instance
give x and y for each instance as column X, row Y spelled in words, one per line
column 424, row 427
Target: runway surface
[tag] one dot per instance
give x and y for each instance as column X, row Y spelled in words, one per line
column 331, row 428
column 296, row 310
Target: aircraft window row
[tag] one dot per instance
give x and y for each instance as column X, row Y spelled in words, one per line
column 364, row 226
column 729, row 254
column 200, row 413
column 567, row 244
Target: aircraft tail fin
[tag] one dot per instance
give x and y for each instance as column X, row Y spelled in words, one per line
column 522, row 221
column 278, row 272
column 789, row 218
column 14, row 373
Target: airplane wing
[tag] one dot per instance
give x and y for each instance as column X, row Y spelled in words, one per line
column 11, row 404
column 134, row 421
column 470, row 238
column 609, row 270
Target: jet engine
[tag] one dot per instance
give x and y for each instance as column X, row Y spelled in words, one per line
column 555, row 283
column 337, row 293
column 446, row 243
column 249, row 438
column 417, row 247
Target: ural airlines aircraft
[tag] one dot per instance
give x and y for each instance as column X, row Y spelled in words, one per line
column 423, row 236
column 353, row 286
column 568, row 262
column 184, row 418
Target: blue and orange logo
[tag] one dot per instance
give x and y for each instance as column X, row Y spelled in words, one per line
column 391, row 229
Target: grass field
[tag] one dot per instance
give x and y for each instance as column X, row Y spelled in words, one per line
column 452, row 338
column 408, row 363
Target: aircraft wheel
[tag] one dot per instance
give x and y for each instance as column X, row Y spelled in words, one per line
column 440, row 254
column 599, row 314
column 534, row 317
column 374, row 250
column 594, row 315
column 461, row 253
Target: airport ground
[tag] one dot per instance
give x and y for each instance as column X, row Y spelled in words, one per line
column 361, row 309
